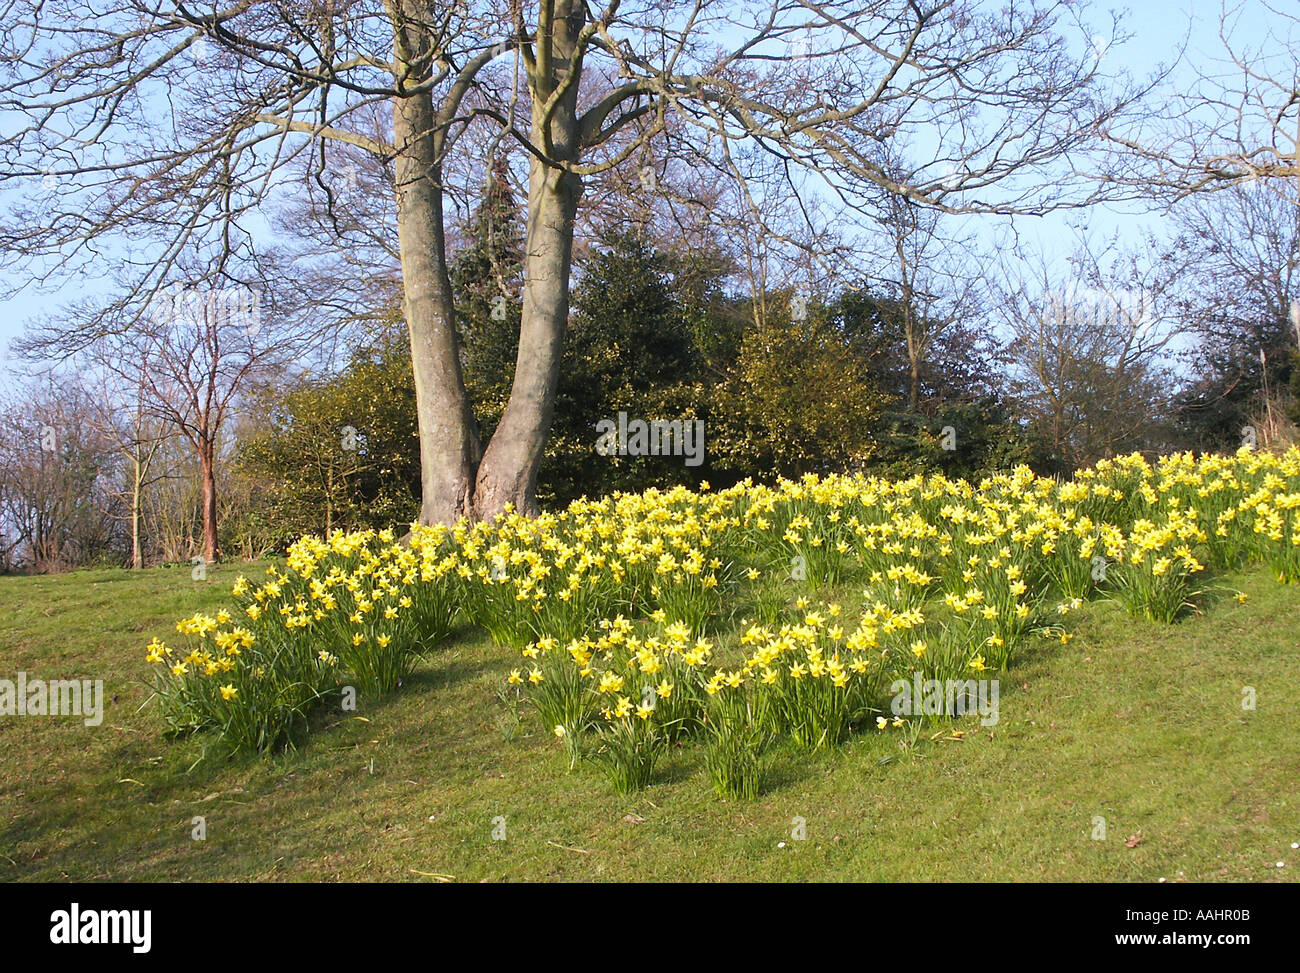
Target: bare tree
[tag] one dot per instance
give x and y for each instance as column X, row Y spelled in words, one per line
column 937, row 279
column 1236, row 121
column 177, row 120
column 1241, row 251
column 54, row 467
column 1088, row 345
column 190, row 354
column 126, row 418
column 173, row 506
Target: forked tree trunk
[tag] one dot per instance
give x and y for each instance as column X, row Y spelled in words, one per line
column 449, row 445
column 458, row 478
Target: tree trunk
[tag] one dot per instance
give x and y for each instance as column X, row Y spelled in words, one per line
column 449, row 444
column 913, row 344
column 207, row 464
column 508, row 472
column 137, row 556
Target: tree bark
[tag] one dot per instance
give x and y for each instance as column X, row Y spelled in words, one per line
column 449, row 444
column 508, row 472
column 137, row 556
column 207, row 464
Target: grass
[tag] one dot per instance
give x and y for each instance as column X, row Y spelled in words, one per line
column 1137, row 723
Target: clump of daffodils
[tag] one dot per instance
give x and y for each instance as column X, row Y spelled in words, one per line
column 615, row 609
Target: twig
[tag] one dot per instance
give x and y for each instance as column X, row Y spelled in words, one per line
column 580, row 851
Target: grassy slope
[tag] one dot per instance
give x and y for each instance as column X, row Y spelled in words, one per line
column 1140, row 724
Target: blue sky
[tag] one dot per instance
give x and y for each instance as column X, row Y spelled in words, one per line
column 1157, row 25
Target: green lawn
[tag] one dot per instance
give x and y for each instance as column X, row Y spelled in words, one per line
column 1140, row 724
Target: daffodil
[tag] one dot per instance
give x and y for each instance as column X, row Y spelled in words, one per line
column 611, row 682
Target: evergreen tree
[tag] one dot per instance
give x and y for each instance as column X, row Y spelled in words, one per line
column 628, row 348
column 487, row 281
column 339, row 451
column 798, row 398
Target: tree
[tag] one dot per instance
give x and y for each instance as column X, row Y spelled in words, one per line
column 1238, row 248
column 963, row 423
column 1238, row 122
column 197, row 113
column 55, row 464
column 799, row 399
column 1088, row 348
column 627, row 350
column 1293, row 411
column 193, row 350
column 201, row 150
column 936, row 279
column 339, row 451
column 173, row 505
column 126, row 419
column 486, row 278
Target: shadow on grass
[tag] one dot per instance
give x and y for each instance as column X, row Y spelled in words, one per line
column 441, row 675
column 681, row 764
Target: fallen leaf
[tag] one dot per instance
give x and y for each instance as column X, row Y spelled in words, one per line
column 633, row 819
column 1133, row 840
